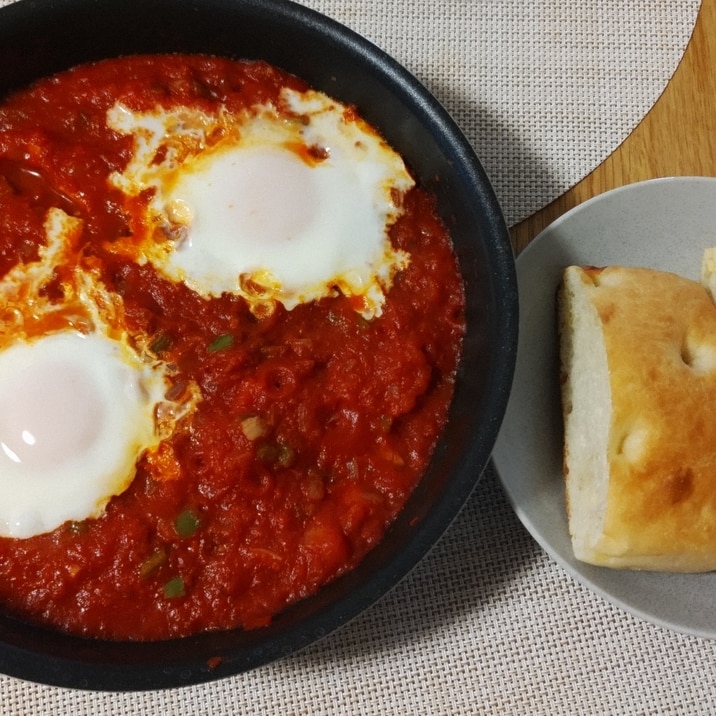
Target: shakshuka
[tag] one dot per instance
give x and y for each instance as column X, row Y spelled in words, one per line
column 230, row 324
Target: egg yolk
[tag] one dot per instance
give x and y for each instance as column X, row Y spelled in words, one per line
column 50, row 412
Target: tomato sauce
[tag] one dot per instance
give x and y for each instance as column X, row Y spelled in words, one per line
column 315, row 424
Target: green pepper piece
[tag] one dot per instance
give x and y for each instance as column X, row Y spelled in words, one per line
column 186, row 523
column 221, row 342
column 174, row 588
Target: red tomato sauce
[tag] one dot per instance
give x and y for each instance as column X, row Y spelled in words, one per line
column 315, row 424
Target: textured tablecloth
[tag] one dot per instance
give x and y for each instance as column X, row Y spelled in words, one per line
column 544, row 90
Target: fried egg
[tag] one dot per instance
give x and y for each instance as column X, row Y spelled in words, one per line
column 79, row 404
column 288, row 203
column 76, row 412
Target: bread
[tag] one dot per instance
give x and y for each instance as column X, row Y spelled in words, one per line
column 638, row 381
column 708, row 271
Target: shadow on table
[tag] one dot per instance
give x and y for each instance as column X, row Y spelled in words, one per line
column 523, row 182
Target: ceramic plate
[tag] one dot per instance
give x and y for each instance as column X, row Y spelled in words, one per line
column 663, row 224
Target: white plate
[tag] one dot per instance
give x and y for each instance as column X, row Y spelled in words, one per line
column 663, row 224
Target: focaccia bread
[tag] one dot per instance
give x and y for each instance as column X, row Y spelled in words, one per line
column 638, row 377
column 708, row 271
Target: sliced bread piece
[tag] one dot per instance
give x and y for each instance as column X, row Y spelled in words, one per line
column 638, row 376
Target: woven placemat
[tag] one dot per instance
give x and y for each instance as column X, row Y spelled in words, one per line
column 543, row 90
column 487, row 624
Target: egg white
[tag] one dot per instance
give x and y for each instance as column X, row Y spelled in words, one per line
column 76, row 412
column 286, row 204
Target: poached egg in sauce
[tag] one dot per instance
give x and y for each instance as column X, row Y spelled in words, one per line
column 79, row 404
column 286, row 203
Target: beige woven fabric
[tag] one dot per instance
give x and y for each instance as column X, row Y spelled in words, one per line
column 544, row 90
column 487, row 624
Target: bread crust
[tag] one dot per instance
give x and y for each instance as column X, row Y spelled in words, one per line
column 658, row 510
